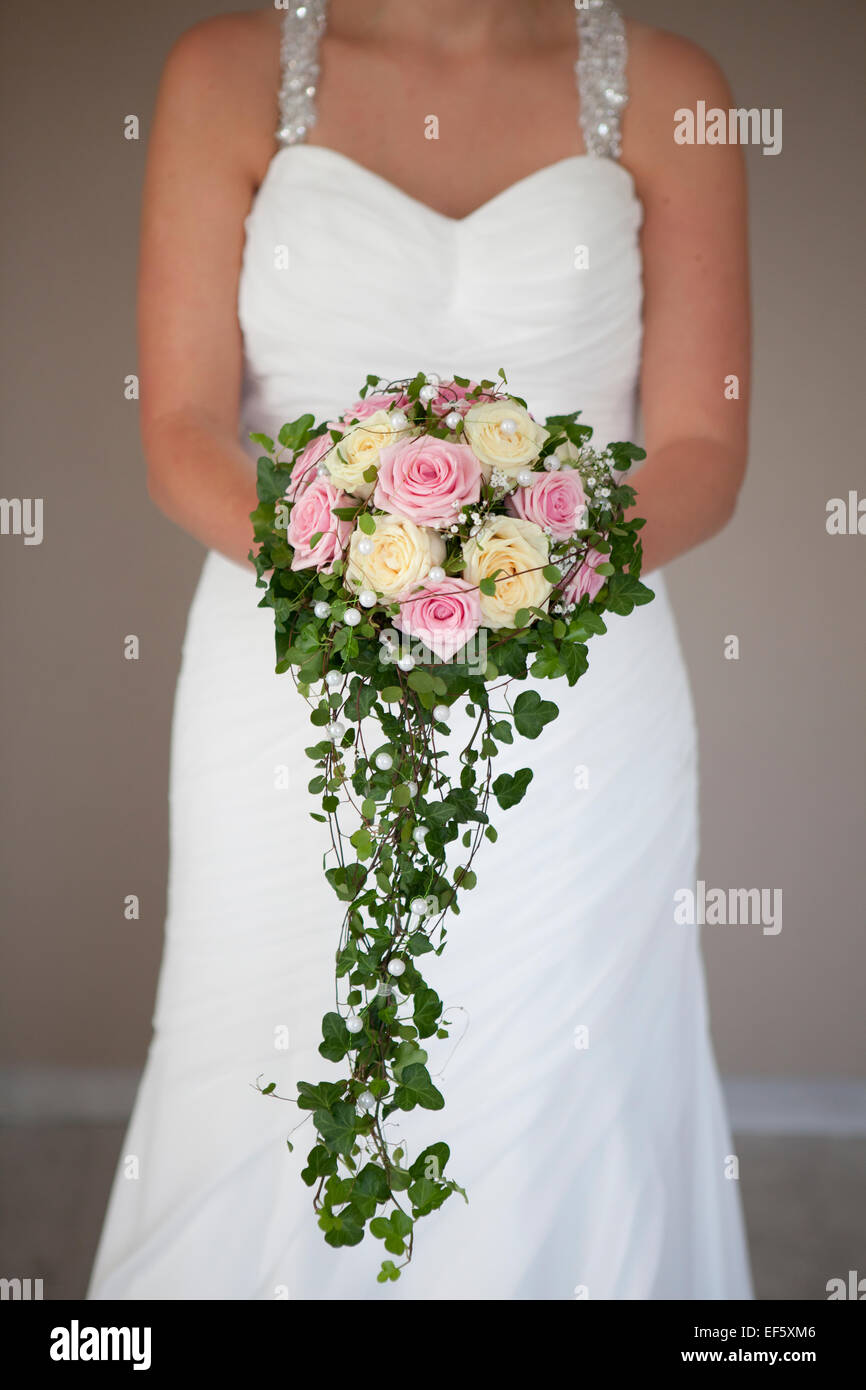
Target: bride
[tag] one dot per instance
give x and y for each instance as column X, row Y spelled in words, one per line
column 457, row 187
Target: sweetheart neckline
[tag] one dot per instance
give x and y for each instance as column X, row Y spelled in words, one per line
column 407, row 198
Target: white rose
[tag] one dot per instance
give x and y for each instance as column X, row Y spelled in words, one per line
column 401, row 557
column 507, row 451
column 519, row 550
column 359, row 451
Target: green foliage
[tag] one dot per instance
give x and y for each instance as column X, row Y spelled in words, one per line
column 389, row 830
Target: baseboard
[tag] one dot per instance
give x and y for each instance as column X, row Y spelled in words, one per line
column 67, row 1095
column 779, row 1105
column 832, row 1106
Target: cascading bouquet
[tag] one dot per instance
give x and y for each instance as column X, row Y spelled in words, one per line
column 430, row 547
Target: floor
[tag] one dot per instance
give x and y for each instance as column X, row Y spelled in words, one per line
column 805, row 1200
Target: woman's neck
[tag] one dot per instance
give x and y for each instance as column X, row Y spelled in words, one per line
column 451, row 24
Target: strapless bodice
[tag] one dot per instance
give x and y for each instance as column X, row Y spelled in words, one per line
column 344, row 274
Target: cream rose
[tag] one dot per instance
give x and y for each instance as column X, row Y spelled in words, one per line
column 508, row 449
column 359, row 451
column 519, row 550
column 401, row 556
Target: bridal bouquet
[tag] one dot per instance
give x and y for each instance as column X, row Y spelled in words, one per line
column 421, row 553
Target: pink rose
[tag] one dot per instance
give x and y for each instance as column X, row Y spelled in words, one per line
column 453, row 397
column 584, row 580
column 383, row 400
column 312, row 514
column 554, row 501
column 304, row 468
column 442, row 614
column 427, row 480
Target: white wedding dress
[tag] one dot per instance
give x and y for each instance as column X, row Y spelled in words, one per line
column 596, row 1170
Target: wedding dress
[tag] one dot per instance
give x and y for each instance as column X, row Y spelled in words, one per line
column 583, row 1107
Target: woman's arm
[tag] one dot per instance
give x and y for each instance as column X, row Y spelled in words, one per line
column 696, row 305
column 205, row 157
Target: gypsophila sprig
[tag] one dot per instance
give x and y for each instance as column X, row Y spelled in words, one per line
column 422, row 554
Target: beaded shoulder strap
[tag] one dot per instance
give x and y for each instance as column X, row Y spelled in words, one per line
column 601, row 76
column 303, row 26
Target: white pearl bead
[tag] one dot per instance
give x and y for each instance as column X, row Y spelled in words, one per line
column 366, row 598
column 552, row 463
column 398, row 420
column 351, row 617
column 384, row 762
column 336, row 729
column 396, row 967
column 427, row 394
column 452, row 419
column 419, row 834
column 354, row 1024
column 524, row 477
column 321, row 470
column 366, row 1101
column 441, row 713
column 508, row 426
column 365, row 546
column 412, row 789
column 321, row 609
column 334, row 679
column 406, row 662
column 419, row 907
column 436, row 574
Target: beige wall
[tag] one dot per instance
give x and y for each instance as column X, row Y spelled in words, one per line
column 86, row 733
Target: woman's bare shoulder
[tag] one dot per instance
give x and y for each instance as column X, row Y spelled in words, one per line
column 224, row 72
column 666, row 72
column 655, row 54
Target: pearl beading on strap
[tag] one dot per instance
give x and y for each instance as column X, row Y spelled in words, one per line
column 601, row 77
column 303, row 26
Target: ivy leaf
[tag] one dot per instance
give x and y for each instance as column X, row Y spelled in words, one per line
column 427, row 1196
column 416, row 1088
column 509, row 790
column 294, row 435
column 347, row 880
column 371, row 1182
column 344, row 1232
column 439, row 1153
column 531, row 713
column 320, row 1164
column 426, row 1012
column 336, row 1038
column 337, row 1127
column 367, row 524
column 625, row 592
column 271, row 480
column 408, row 1055
column 321, row 1096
